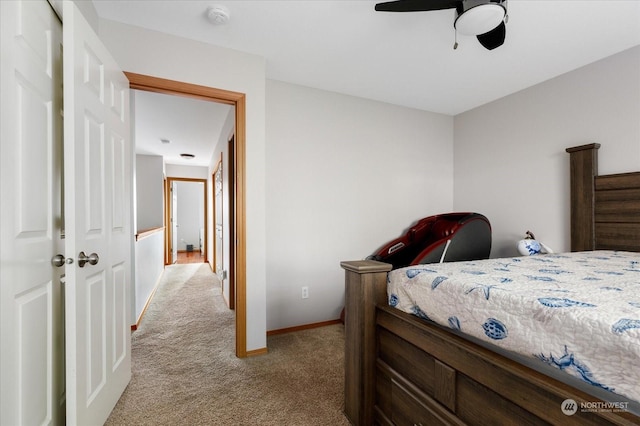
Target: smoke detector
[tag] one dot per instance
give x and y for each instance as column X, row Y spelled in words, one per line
column 218, row 14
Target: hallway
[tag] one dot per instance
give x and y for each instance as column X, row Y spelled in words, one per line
column 185, row 372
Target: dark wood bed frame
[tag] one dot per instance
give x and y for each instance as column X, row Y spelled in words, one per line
column 401, row 370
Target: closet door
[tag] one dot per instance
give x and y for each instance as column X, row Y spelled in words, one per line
column 31, row 327
column 97, row 171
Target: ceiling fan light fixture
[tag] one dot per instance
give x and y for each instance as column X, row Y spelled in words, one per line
column 480, row 19
column 187, row 156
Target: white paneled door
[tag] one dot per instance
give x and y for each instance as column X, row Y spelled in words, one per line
column 218, row 221
column 174, row 221
column 31, row 301
column 64, row 313
column 97, row 165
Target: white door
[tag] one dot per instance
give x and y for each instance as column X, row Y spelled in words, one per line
column 174, row 222
column 31, row 311
column 97, row 166
column 218, row 222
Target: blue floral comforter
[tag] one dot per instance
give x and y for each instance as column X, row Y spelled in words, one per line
column 579, row 312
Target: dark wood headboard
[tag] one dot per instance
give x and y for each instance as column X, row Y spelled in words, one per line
column 605, row 209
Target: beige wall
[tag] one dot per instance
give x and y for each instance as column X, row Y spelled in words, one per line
column 510, row 160
column 344, row 176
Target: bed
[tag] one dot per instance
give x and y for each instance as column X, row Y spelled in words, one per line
column 402, row 369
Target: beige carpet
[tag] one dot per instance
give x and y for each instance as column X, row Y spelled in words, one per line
column 185, row 372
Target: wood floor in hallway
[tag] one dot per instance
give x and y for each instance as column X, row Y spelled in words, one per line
column 190, row 257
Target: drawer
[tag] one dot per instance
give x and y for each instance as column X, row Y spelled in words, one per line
column 411, row 407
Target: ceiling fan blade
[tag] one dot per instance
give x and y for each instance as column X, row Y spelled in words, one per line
column 416, row 5
column 494, row 38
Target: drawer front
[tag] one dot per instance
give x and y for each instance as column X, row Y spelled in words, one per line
column 408, row 410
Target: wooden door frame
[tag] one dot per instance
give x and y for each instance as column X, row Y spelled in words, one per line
column 231, row 173
column 171, row 87
column 167, row 208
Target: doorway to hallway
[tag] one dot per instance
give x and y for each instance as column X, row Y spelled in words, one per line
column 239, row 237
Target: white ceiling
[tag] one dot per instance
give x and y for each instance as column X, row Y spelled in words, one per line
column 192, row 126
column 401, row 58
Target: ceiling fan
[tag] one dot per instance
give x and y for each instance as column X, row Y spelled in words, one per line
column 484, row 19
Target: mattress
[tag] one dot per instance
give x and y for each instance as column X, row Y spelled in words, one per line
column 578, row 312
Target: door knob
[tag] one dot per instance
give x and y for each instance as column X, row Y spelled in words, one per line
column 83, row 259
column 59, row 260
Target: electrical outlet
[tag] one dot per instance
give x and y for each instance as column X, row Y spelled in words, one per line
column 305, row 292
